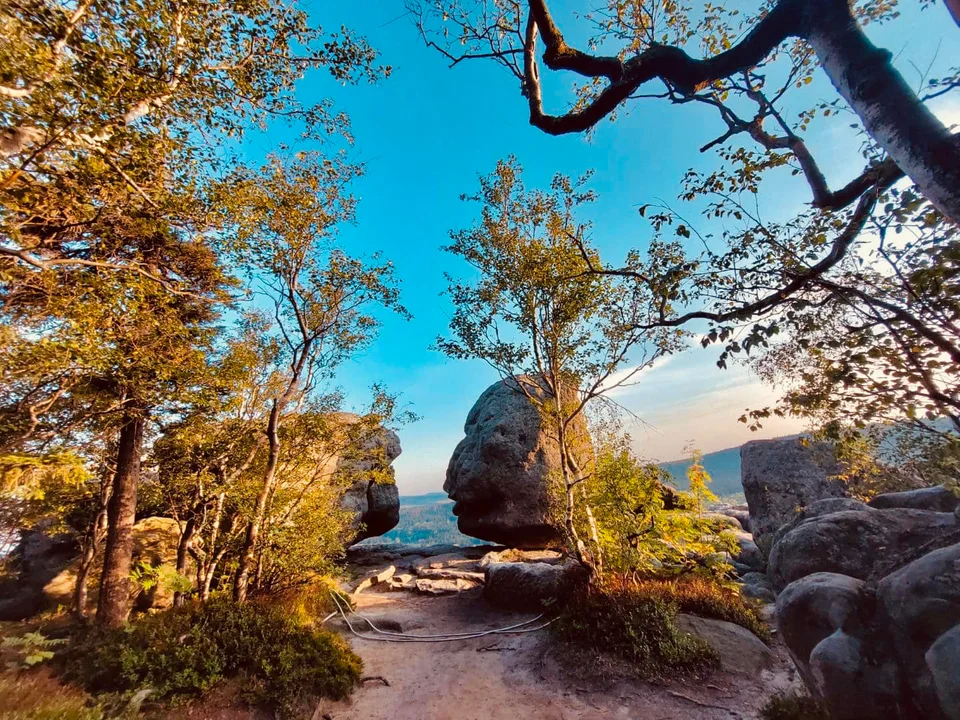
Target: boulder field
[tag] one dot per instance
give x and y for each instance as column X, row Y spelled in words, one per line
column 869, row 593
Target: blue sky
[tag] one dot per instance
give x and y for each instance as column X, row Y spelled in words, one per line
column 427, row 133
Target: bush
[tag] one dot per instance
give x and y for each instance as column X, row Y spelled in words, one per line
column 620, row 619
column 707, row 598
column 793, row 707
column 185, row 651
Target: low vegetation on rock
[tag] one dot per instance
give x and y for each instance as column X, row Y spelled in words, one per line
column 793, row 707
column 627, row 621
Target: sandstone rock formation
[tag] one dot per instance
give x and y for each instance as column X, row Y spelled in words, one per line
column 871, row 607
column 499, row 474
column 740, row 651
column 531, row 585
column 49, row 570
column 781, row 477
column 938, row 498
column 373, row 497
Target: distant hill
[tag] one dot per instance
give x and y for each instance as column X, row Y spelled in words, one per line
column 428, row 499
column 426, row 520
column 723, row 466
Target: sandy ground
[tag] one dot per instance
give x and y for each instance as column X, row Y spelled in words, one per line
column 511, row 677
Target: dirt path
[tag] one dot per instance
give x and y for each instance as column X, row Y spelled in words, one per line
column 514, row 677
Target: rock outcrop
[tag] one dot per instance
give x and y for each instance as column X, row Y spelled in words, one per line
column 869, row 603
column 859, row 543
column 938, row 498
column 372, row 497
column 48, row 570
column 781, row 477
column 531, row 585
column 870, row 606
column 500, row 472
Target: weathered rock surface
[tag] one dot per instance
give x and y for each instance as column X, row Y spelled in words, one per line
column 740, row 513
column 373, row 496
column 938, row 499
column 499, row 474
column 858, row 543
column 920, row 605
column 781, row 477
column 49, row 570
column 878, row 634
column 757, row 586
column 529, row 586
column 740, row 650
column 40, row 559
column 749, row 554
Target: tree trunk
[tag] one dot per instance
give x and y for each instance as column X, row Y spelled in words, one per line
column 569, row 484
column 210, row 560
column 115, row 597
column 248, row 552
column 90, row 547
column 594, row 534
column 891, row 112
column 183, row 550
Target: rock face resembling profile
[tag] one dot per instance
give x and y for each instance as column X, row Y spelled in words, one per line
column 781, row 477
column 373, row 497
column 499, row 474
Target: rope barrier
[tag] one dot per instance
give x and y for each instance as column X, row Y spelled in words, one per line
column 516, row 629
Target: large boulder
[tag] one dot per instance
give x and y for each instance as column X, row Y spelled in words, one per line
column 740, row 651
column 500, row 474
column 920, row 609
column 531, row 585
column 859, row 543
column 38, row 558
column 781, row 477
column 879, row 635
column 367, row 460
column 938, row 499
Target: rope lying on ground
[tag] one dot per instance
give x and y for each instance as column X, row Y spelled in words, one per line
column 445, row 637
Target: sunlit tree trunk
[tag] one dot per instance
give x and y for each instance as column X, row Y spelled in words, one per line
column 91, row 545
column 115, row 596
column 920, row 144
column 248, row 552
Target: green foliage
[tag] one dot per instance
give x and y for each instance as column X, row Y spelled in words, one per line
column 623, row 620
column 793, row 707
column 535, row 313
column 637, row 534
column 32, row 648
column 188, row 650
column 146, row 576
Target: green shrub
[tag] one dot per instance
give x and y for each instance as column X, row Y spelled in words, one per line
column 705, row 597
column 793, row 707
column 636, row 626
column 185, row 651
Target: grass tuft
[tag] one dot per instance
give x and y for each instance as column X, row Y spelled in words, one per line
column 621, row 620
column 707, row 598
column 793, row 707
